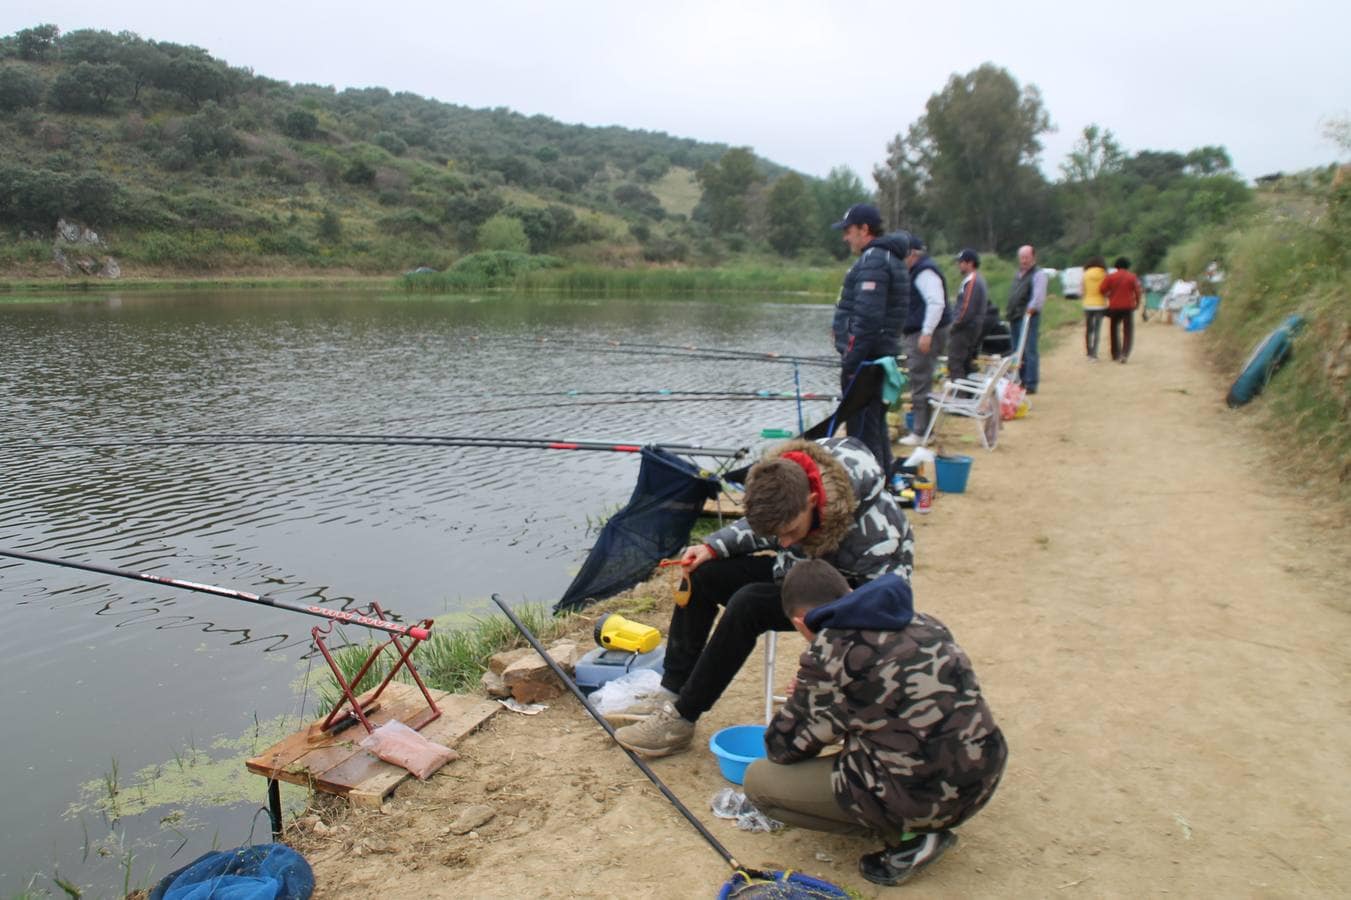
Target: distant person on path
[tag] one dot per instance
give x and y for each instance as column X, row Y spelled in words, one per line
column 1027, row 295
column 1094, row 303
column 1123, row 293
column 805, row 500
column 968, row 319
column 925, row 333
column 869, row 315
column 920, row 753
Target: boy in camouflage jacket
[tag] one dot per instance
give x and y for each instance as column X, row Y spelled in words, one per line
column 920, row 751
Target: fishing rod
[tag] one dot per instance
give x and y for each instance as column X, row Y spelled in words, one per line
column 609, row 729
column 419, row 632
column 637, row 401
column 763, row 393
column 684, row 348
column 210, row 439
column 719, row 357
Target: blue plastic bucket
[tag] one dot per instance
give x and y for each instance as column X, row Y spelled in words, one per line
column 736, row 747
column 952, row 473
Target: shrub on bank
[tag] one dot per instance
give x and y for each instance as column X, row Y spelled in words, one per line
column 1277, row 264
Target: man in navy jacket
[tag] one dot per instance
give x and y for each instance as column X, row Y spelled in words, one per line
column 869, row 315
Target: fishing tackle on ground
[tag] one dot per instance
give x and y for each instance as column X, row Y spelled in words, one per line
column 745, row 882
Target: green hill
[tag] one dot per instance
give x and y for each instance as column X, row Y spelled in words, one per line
column 184, row 164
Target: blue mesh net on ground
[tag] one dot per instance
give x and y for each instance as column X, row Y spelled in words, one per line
column 656, row 523
column 260, row 872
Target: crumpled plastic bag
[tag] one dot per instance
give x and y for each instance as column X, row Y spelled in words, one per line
column 396, row 743
column 620, row 693
column 1012, row 400
column 729, row 803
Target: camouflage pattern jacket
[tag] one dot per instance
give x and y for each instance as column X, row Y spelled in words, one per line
column 921, row 751
column 863, row 531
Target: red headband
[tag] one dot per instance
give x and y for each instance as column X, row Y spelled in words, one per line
column 813, row 477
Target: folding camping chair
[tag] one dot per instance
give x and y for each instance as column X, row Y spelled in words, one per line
column 975, row 398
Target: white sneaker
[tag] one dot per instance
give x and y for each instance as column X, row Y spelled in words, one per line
column 911, row 440
column 660, row 734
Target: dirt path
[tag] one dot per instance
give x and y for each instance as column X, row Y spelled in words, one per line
column 1161, row 628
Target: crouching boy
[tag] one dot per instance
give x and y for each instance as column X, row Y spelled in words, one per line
column 920, row 751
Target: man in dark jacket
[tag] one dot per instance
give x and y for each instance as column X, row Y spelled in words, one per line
column 869, row 315
column 805, row 500
column 968, row 316
column 920, row 753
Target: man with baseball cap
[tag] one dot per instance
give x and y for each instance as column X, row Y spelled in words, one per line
column 969, row 315
column 870, row 313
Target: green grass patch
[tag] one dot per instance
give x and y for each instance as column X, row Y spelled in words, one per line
column 546, row 275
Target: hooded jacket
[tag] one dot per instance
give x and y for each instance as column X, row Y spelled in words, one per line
column 862, row 531
column 872, row 305
column 921, row 751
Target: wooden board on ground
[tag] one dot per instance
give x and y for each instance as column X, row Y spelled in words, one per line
column 726, row 505
column 333, row 763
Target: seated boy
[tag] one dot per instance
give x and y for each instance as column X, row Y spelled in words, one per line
column 805, row 500
column 921, row 753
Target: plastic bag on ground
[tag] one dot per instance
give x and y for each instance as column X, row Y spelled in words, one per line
column 729, row 803
column 620, row 693
column 1012, row 400
column 396, row 743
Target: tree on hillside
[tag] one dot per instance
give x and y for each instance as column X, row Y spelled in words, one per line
column 901, row 182
column 790, row 214
column 1088, row 176
column 37, row 43
column 727, row 185
column 974, row 153
column 19, row 89
column 834, row 194
column 503, row 233
column 89, row 87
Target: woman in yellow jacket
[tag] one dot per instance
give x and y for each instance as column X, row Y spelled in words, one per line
column 1095, row 304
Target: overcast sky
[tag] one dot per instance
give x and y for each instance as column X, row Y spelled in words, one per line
column 810, row 85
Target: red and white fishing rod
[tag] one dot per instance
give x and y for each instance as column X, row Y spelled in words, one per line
column 420, row 631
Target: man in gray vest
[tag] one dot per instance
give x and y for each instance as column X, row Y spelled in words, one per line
column 968, row 316
column 1027, row 296
column 925, row 333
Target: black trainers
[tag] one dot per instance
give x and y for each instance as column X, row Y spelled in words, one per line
column 898, row 864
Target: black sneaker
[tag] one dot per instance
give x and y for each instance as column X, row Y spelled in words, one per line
column 897, row 865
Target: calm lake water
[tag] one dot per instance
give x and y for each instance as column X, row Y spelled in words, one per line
column 161, row 693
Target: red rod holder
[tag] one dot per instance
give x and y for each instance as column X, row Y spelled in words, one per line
column 350, row 705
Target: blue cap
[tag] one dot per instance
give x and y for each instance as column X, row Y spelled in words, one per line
column 860, row 214
column 969, row 256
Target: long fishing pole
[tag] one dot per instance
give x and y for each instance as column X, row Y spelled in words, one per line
column 640, row 401
column 684, row 348
column 609, row 729
column 209, row 439
column 418, row 632
column 720, row 357
column 763, row 393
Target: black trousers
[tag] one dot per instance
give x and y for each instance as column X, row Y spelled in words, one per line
column 700, row 665
column 1122, row 332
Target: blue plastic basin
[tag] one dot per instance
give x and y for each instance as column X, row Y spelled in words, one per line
column 736, row 747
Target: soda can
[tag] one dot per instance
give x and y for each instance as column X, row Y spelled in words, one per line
column 924, row 496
